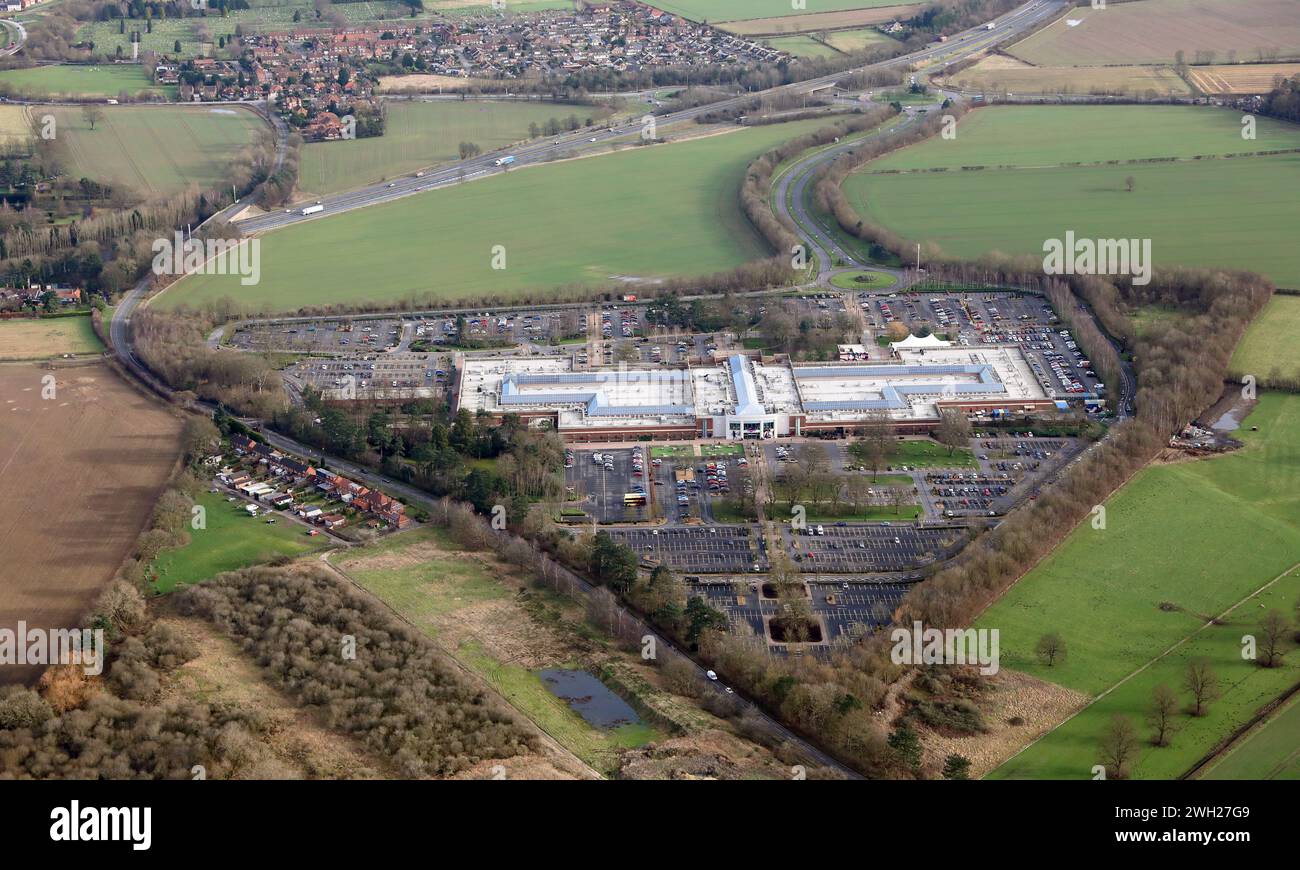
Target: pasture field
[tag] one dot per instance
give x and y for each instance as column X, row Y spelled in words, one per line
column 1153, row 31
column 801, row 46
column 1269, row 751
column 812, row 22
column 1270, row 344
column 856, row 39
column 232, row 540
column 1048, row 136
column 1254, row 78
column 998, row 74
column 468, row 603
column 418, row 135
column 642, row 213
column 102, row 80
column 1221, row 212
column 27, row 339
column 1182, row 543
column 80, row 473
column 157, row 149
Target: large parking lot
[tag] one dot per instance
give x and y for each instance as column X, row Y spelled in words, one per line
column 607, row 483
column 374, row 376
column 424, row 332
column 849, row 549
column 706, row 488
column 702, row 549
column 846, row 609
column 323, row 336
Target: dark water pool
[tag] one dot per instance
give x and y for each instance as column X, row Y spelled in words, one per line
column 589, row 698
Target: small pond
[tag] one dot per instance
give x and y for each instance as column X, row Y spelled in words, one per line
column 589, row 698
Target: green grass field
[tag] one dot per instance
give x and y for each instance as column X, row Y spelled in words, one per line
column 672, row 451
column 48, row 337
column 930, row 454
column 745, row 10
column 231, row 540
column 1048, row 136
column 1233, row 213
column 801, row 46
column 652, row 212
column 103, row 80
column 423, row 134
column 432, row 586
column 157, row 149
column 1270, row 344
column 1197, row 537
column 857, row 39
column 1270, row 751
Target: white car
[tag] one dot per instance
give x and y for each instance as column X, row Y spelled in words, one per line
column 592, row 139
column 711, row 675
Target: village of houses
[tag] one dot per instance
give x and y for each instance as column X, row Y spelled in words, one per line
column 299, row 70
column 271, row 481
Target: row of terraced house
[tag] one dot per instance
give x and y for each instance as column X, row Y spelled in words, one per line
column 297, row 473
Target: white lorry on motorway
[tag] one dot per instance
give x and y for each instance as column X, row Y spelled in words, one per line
column 313, row 209
column 504, row 161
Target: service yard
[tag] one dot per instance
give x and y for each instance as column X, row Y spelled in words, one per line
column 80, row 472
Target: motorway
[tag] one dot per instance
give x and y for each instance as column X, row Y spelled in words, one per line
column 19, row 40
column 956, row 48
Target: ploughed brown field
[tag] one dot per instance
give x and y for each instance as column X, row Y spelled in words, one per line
column 79, row 475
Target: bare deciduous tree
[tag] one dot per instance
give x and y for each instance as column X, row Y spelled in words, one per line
column 1118, row 744
column 1272, row 629
column 1050, row 649
column 1203, row 684
column 1164, row 707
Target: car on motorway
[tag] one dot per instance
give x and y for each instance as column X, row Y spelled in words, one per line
column 711, row 675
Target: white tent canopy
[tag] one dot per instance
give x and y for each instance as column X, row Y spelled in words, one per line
column 913, row 342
